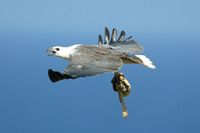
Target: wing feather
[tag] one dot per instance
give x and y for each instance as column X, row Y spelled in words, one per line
column 123, row 45
column 92, row 63
column 107, row 36
column 129, row 47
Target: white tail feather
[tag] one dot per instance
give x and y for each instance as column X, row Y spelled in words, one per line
column 146, row 61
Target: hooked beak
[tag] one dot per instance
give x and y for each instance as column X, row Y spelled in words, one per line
column 50, row 51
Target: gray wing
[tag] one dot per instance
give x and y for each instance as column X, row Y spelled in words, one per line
column 89, row 64
column 123, row 45
column 130, row 46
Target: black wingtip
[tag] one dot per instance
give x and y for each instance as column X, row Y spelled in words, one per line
column 55, row 76
column 113, row 36
column 107, row 35
column 127, row 39
column 100, row 41
column 121, row 36
column 51, row 75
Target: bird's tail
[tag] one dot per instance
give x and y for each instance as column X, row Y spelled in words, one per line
column 139, row 59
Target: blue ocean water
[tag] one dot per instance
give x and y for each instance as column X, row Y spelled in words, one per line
column 162, row 100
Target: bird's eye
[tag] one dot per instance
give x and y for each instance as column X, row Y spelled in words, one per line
column 57, row 49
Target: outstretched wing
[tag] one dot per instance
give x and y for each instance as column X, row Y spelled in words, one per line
column 127, row 45
column 88, row 64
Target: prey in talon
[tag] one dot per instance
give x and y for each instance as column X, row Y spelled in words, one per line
column 123, row 87
column 108, row 56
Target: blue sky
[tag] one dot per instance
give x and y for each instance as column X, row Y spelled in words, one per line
column 62, row 15
column 162, row 100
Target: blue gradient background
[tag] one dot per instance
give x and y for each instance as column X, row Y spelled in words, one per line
column 165, row 100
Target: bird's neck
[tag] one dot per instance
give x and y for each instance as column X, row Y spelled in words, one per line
column 68, row 51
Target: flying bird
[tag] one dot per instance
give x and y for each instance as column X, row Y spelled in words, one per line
column 106, row 57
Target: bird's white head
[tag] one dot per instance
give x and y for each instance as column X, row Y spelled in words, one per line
column 57, row 51
column 63, row 52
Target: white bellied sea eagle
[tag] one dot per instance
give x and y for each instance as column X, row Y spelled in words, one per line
column 107, row 56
